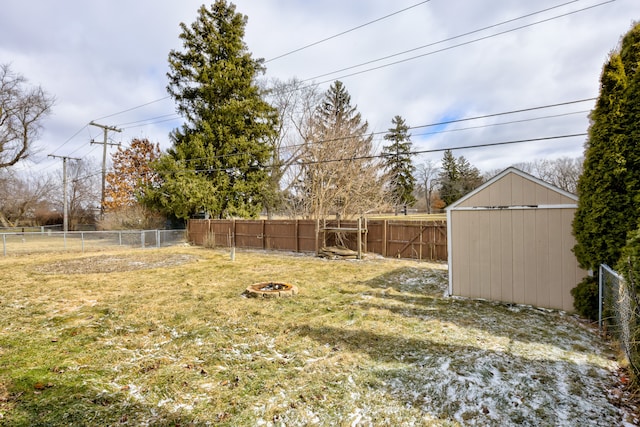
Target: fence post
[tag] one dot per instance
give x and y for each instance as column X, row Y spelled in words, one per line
column 142, row 238
column 600, row 284
column 317, row 231
column 4, row 244
column 420, row 244
column 359, row 238
column 385, row 224
column 158, row 239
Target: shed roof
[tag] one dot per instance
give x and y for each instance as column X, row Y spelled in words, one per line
column 514, row 188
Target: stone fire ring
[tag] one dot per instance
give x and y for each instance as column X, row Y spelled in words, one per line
column 271, row 290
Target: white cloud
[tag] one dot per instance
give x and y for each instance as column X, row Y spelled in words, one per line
column 105, row 56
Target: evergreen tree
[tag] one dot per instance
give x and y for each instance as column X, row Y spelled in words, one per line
column 340, row 175
column 398, row 164
column 609, row 187
column 457, row 178
column 219, row 156
column 470, row 177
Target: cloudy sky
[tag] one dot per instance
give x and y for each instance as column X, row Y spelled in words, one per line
column 427, row 61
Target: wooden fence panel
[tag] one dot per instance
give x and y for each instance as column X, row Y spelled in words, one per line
column 249, row 234
column 198, row 232
column 281, row 235
column 220, row 232
column 307, row 235
column 424, row 240
column 417, row 240
column 376, row 237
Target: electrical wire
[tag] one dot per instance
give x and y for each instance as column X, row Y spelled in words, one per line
column 382, row 66
column 468, row 33
column 433, row 150
column 346, row 32
column 450, row 47
column 122, row 125
column 380, row 59
column 522, row 110
column 441, row 123
column 132, row 108
column 152, row 123
column 502, row 123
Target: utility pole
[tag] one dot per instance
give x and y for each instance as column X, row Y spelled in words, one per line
column 65, row 209
column 104, row 158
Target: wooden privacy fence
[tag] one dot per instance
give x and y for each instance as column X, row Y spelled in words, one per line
column 422, row 240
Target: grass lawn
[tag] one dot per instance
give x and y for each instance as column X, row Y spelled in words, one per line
column 165, row 337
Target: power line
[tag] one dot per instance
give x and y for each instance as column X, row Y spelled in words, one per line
column 133, row 108
column 153, row 123
column 503, row 123
column 272, row 59
column 434, row 150
column 486, row 116
column 441, row 123
column 468, row 33
column 452, row 47
column 346, row 32
column 386, row 57
column 173, row 115
column 73, row 136
column 383, row 58
column 384, row 65
column 493, row 144
column 415, row 152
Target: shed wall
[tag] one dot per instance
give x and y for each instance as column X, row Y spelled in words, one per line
column 515, row 255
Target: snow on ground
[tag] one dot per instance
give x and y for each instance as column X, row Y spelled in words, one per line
column 486, row 371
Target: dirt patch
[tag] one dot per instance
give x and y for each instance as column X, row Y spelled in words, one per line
column 113, row 263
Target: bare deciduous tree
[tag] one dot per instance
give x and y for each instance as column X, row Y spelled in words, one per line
column 22, row 110
column 21, row 196
column 340, row 174
column 84, row 192
column 562, row 172
column 427, row 177
column 296, row 103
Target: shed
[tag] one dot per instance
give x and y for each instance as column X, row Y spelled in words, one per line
column 510, row 240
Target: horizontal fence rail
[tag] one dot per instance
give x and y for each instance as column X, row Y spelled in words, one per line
column 51, row 241
column 422, row 240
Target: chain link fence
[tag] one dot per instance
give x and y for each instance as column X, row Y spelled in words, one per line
column 618, row 313
column 52, row 241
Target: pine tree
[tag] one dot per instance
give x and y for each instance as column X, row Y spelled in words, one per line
column 449, row 178
column 398, row 164
column 340, row 175
column 470, row 178
column 457, row 178
column 218, row 161
column 609, row 187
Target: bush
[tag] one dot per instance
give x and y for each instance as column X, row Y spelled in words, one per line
column 585, row 298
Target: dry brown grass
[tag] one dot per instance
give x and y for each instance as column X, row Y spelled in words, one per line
column 165, row 337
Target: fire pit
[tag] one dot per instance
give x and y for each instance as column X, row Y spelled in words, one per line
column 271, row 289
